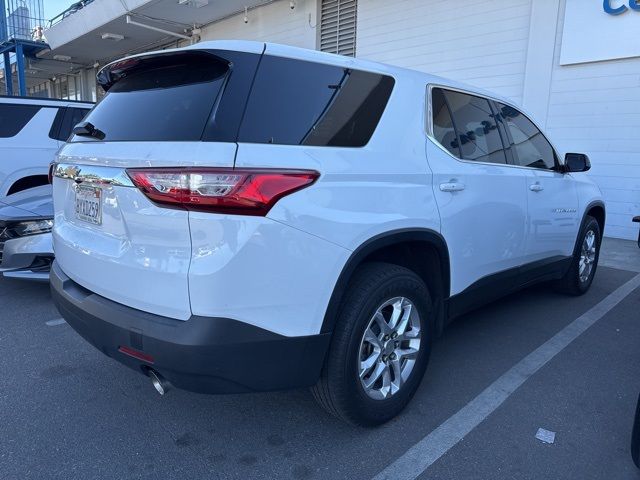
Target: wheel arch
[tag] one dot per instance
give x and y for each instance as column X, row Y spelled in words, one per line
column 596, row 210
column 423, row 251
column 26, row 182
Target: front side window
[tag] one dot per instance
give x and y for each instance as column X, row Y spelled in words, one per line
column 14, row 117
column 529, row 146
column 295, row 102
column 477, row 134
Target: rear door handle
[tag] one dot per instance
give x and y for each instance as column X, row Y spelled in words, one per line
column 452, row 187
column 536, row 187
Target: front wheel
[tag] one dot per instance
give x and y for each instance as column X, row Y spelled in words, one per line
column 583, row 267
column 380, row 346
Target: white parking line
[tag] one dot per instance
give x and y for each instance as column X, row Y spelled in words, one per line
column 53, row 323
column 428, row 450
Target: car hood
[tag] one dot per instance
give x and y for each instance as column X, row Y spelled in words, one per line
column 33, row 202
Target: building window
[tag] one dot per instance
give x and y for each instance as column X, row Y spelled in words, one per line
column 338, row 26
column 67, row 87
column 40, row 90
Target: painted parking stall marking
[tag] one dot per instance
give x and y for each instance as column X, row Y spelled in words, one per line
column 55, row 322
column 433, row 446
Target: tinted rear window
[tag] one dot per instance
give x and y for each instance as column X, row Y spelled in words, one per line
column 71, row 118
column 443, row 129
column 14, row 117
column 163, row 98
column 66, row 119
column 478, row 137
column 302, row 103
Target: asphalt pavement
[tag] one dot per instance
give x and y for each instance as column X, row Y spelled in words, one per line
column 67, row 411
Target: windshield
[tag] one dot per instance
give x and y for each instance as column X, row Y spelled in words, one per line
column 168, row 98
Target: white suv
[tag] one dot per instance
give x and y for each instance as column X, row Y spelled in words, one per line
column 239, row 216
column 31, row 131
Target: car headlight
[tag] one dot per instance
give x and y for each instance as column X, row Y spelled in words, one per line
column 33, row 227
column 25, row 228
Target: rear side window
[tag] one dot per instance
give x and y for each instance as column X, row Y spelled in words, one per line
column 295, row 102
column 66, row 119
column 443, row 130
column 161, row 98
column 14, row 117
column 477, row 135
column 529, row 146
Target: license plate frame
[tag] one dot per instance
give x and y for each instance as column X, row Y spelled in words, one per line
column 88, row 204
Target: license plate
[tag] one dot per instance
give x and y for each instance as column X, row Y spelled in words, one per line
column 89, row 204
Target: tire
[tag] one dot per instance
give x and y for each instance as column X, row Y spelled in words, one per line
column 340, row 390
column 573, row 282
column 635, row 437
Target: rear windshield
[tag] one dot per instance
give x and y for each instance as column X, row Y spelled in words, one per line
column 225, row 96
column 163, row 98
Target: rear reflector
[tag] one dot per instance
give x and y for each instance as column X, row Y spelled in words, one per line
column 234, row 191
column 132, row 352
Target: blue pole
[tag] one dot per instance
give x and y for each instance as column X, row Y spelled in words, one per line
column 4, row 33
column 22, row 84
column 7, row 74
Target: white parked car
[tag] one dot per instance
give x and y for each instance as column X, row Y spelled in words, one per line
column 239, row 216
column 26, row 220
column 31, row 131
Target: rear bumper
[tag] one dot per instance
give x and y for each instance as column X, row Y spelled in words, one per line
column 201, row 354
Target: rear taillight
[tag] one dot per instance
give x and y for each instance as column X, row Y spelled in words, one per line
column 234, row 191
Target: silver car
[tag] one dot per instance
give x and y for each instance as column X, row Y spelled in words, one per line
column 26, row 219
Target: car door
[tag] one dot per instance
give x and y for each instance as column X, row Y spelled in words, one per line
column 481, row 198
column 553, row 218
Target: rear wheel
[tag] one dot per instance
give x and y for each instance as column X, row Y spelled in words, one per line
column 580, row 275
column 380, row 346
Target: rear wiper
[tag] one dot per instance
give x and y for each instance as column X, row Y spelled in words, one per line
column 86, row 129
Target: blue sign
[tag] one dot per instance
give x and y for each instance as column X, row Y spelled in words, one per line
column 611, row 10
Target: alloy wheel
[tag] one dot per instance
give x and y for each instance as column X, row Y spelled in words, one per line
column 389, row 348
column 587, row 256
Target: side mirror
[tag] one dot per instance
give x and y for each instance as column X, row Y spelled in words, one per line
column 576, row 162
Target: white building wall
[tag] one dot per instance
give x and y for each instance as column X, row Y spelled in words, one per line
column 483, row 43
column 274, row 22
column 595, row 108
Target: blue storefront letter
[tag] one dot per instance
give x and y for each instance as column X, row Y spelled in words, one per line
column 620, row 10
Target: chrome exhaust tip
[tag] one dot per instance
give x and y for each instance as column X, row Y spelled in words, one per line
column 161, row 385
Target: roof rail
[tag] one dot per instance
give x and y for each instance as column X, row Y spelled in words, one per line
column 45, row 99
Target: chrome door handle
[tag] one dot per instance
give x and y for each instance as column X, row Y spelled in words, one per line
column 536, row 187
column 452, row 187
